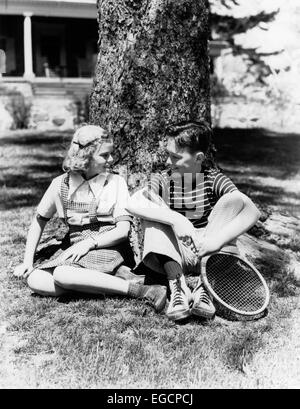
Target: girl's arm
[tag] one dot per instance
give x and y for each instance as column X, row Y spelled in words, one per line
column 45, row 210
column 108, row 239
column 33, row 238
column 114, row 236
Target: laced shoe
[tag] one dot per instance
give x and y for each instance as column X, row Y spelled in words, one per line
column 125, row 273
column 179, row 308
column 202, row 304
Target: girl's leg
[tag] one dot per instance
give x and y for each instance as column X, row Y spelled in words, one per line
column 42, row 282
column 89, row 281
column 94, row 282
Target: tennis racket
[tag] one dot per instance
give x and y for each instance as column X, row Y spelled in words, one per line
column 235, row 284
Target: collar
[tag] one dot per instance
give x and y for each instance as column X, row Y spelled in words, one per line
column 76, row 180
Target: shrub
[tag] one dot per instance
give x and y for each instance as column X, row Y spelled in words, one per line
column 217, row 88
column 19, row 108
column 82, row 110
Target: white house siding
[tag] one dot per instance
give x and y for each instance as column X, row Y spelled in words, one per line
column 58, row 76
column 50, row 8
column 249, row 108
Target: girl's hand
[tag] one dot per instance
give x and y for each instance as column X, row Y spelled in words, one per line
column 209, row 246
column 78, row 250
column 23, row 270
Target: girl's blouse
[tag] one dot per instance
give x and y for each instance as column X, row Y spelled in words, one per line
column 112, row 198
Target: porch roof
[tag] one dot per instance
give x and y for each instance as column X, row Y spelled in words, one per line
column 50, row 8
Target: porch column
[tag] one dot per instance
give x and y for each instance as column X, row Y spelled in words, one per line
column 28, row 64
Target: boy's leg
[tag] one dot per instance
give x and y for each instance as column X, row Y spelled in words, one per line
column 159, row 240
column 180, row 294
column 162, row 255
column 94, row 282
column 225, row 210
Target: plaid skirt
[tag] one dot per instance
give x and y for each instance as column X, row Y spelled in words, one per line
column 105, row 260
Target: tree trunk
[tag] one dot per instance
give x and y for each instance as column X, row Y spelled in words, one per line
column 152, row 69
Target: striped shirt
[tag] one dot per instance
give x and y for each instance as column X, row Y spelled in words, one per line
column 194, row 199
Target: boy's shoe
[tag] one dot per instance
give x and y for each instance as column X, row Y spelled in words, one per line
column 202, row 304
column 125, row 273
column 179, row 308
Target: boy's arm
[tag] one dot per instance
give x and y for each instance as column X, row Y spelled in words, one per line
column 155, row 209
column 247, row 218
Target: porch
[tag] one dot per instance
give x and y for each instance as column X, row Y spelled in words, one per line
column 48, row 39
column 60, row 47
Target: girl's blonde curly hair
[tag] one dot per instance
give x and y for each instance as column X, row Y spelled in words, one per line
column 85, row 142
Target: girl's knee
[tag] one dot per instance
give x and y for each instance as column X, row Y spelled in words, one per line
column 38, row 282
column 34, row 280
column 62, row 276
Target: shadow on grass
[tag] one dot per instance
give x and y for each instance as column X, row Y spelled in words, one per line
column 267, row 150
column 281, row 280
column 36, row 159
column 250, row 155
column 37, row 139
column 72, row 297
column 243, row 153
column 267, row 195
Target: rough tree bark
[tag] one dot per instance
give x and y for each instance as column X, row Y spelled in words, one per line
column 152, row 69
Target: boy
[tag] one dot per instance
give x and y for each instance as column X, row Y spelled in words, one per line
column 188, row 212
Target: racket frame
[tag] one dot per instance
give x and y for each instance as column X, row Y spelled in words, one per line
column 219, row 300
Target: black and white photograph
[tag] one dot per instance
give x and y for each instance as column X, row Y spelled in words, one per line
column 150, row 197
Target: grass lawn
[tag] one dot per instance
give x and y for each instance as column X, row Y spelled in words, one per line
column 88, row 342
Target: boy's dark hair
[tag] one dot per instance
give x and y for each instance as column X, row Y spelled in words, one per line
column 196, row 136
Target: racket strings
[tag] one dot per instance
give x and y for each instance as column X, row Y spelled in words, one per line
column 235, row 283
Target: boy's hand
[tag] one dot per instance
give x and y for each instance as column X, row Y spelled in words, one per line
column 209, row 246
column 23, row 270
column 78, row 250
column 185, row 232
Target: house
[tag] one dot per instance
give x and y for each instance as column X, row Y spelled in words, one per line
column 49, row 38
column 49, row 52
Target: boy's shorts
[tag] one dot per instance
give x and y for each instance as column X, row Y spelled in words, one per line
column 159, row 239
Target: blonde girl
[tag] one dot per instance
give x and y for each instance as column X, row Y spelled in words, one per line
column 91, row 200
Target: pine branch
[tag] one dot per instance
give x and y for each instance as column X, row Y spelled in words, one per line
column 228, row 26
